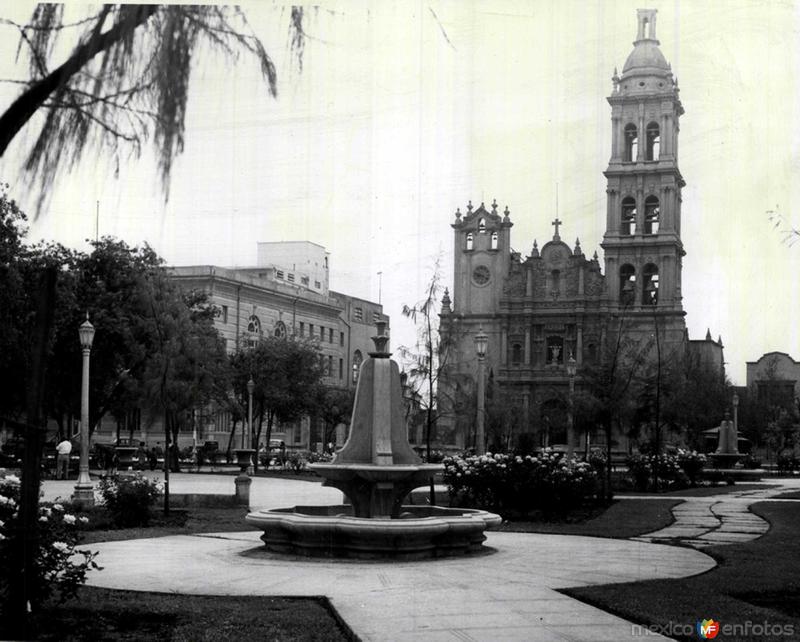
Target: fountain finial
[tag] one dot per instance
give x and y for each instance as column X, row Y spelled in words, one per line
column 381, row 341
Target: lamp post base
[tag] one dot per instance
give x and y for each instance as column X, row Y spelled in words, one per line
column 83, row 495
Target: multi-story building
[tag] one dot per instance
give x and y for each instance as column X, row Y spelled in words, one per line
column 556, row 305
column 286, row 294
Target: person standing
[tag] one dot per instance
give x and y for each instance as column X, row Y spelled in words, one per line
column 63, row 452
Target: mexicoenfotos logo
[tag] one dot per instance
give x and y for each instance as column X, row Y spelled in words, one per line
column 708, row 629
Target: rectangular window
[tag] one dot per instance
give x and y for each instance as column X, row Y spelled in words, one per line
column 341, row 338
column 224, row 313
column 330, row 335
column 297, row 429
column 304, row 280
column 329, row 367
column 290, row 277
column 311, row 330
column 358, row 313
column 279, row 274
column 317, row 285
column 341, row 368
column 376, row 317
column 302, row 328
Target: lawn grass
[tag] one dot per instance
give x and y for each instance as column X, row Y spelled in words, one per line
column 793, row 494
column 703, row 491
column 623, row 519
column 105, row 614
column 180, row 522
column 757, row 581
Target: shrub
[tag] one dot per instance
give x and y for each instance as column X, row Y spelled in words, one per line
column 296, row 461
column 60, row 567
column 788, row 463
column 129, row 497
column 518, row 485
column 692, row 463
column 670, row 473
column 314, row 458
column 750, row 461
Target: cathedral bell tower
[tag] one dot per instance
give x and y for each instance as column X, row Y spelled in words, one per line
column 642, row 242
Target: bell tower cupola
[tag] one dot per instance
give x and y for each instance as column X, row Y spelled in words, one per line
column 642, row 242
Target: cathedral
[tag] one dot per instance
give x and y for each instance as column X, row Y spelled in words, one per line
column 552, row 314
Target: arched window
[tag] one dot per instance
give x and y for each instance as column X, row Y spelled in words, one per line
column 494, row 241
column 555, row 349
column 653, row 141
column 627, row 284
column 650, row 284
column 516, row 353
column 280, row 330
column 253, row 331
column 631, row 143
column 591, row 353
column 482, row 225
column 628, row 216
column 470, row 241
column 652, row 212
column 357, row 359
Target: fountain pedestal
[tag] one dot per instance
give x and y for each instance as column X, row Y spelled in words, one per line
column 376, row 469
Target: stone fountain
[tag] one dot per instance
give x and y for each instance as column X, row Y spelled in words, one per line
column 375, row 469
column 727, row 453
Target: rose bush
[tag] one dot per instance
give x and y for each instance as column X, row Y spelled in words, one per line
column 670, row 473
column 512, row 484
column 60, row 567
column 692, row 463
column 128, row 498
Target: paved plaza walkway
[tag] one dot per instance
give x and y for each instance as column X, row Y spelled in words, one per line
column 510, row 593
column 719, row 519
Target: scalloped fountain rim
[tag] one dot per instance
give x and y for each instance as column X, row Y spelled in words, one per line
column 332, row 531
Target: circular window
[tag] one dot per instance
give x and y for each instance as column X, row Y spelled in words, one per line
column 280, row 330
column 481, row 275
column 641, row 84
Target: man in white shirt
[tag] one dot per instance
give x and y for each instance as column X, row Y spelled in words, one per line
column 64, row 450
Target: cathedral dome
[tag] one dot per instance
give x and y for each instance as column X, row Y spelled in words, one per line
column 646, row 58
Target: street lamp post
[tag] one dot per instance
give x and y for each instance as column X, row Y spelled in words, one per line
column 481, row 340
column 251, row 386
column 735, row 403
column 572, row 368
column 84, row 491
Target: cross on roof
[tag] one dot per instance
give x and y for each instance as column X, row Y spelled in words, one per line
column 555, row 224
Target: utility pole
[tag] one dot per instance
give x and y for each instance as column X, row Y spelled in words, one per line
column 380, row 282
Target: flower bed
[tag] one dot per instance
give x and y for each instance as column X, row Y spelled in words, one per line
column 516, row 485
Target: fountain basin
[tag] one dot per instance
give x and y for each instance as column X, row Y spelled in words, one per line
column 376, row 490
column 333, row 531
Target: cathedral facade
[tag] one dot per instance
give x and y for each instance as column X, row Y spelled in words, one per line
column 550, row 315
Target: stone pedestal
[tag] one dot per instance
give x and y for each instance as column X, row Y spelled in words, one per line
column 242, row 483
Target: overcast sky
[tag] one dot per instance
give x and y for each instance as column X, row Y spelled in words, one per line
column 404, row 111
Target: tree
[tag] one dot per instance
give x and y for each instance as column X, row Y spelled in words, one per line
column 287, row 374
column 607, row 395
column 334, row 406
column 125, row 81
column 429, row 357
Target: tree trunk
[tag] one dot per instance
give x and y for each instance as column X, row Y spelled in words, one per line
column 609, row 440
column 24, row 573
column 23, row 108
column 166, row 461
column 230, row 440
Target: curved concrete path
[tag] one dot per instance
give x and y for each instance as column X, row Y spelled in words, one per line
column 718, row 519
column 504, row 595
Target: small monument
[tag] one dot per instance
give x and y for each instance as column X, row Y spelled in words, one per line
column 376, row 469
column 727, row 453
